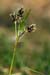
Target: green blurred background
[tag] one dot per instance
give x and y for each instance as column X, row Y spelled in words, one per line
column 33, row 49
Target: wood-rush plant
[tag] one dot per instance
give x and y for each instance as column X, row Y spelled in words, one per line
column 19, row 20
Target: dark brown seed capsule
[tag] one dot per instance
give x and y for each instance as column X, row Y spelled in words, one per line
column 20, row 12
column 30, row 28
column 13, row 17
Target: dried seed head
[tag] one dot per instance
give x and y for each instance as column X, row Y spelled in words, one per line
column 13, row 16
column 20, row 12
column 34, row 27
column 31, row 28
column 17, row 17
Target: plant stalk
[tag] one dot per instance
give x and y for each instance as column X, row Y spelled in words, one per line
column 14, row 52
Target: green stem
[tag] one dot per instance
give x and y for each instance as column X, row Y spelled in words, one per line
column 36, row 71
column 16, row 42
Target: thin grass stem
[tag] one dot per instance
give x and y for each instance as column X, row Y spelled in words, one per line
column 14, row 52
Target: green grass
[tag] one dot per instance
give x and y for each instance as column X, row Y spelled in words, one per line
column 37, row 61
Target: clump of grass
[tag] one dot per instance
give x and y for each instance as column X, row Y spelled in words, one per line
column 5, row 52
column 43, row 60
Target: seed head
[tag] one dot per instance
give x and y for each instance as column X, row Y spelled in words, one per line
column 31, row 28
column 20, row 12
column 13, row 16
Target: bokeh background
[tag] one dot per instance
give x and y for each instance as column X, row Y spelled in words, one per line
column 34, row 48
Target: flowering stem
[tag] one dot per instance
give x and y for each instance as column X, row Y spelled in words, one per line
column 16, row 42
